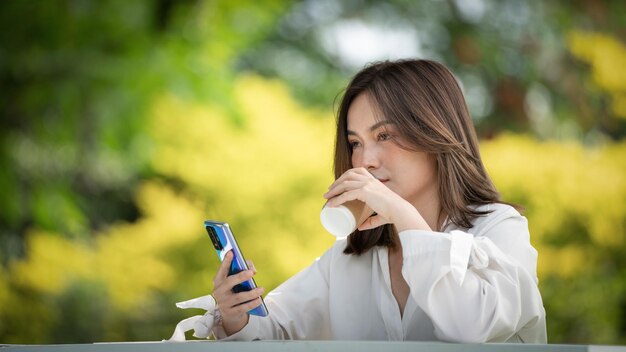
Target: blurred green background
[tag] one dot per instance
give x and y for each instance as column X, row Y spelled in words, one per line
column 125, row 124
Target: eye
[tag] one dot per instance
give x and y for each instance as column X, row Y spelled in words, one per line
column 354, row 144
column 384, row 136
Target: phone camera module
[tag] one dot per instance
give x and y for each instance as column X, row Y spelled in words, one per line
column 213, row 235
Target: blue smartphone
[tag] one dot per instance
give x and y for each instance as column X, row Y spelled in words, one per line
column 223, row 240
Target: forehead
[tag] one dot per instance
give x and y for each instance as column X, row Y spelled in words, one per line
column 363, row 112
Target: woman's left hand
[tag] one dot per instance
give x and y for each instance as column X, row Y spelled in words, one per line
column 390, row 208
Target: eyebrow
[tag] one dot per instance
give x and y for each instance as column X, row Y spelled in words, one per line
column 374, row 127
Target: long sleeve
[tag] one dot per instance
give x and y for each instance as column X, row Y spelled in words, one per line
column 479, row 287
column 298, row 309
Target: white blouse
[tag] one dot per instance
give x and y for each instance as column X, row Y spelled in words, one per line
column 477, row 285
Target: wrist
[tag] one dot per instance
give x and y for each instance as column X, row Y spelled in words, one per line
column 410, row 219
column 234, row 325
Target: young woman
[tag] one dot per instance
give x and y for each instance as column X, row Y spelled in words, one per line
column 442, row 258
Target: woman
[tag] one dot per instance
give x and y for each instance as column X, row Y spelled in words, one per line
column 442, row 258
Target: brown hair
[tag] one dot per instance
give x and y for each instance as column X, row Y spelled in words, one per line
column 423, row 99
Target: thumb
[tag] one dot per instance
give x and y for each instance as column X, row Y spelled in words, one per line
column 372, row 222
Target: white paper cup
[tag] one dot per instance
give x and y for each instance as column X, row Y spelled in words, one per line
column 342, row 220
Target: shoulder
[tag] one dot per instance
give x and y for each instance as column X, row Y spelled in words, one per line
column 495, row 210
column 508, row 230
column 332, row 254
column 335, row 258
column 497, row 214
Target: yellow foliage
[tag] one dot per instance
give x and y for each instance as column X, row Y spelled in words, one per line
column 4, row 288
column 606, row 55
column 126, row 257
column 562, row 183
column 278, row 141
column 53, row 262
column 566, row 261
column 266, row 176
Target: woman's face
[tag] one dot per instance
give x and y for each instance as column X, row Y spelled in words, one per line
column 412, row 175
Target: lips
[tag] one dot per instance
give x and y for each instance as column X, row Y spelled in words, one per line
column 383, row 180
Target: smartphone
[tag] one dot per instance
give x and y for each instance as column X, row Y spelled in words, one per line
column 223, row 240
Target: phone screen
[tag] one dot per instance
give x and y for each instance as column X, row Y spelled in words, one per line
column 223, row 241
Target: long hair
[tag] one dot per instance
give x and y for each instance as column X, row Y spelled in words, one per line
column 423, row 99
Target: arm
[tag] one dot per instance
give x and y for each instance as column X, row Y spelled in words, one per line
column 298, row 309
column 474, row 289
column 477, row 289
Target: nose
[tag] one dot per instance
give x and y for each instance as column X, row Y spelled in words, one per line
column 367, row 157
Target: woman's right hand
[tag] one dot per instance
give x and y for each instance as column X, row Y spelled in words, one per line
column 234, row 307
column 359, row 184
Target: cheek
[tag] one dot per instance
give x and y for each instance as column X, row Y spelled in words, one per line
column 429, row 175
column 422, row 173
column 427, row 172
column 355, row 159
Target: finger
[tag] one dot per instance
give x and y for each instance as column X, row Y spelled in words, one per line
column 360, row 171
column 227, row 298
column 235, row 299
column 372, row 222
column 223, row 270
column 344, row 197
column 243, row 297
column 238, row 278
column 245, row 307
column 224, row 287
column 343, row 187
column 357, row 173
column 251, row 265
